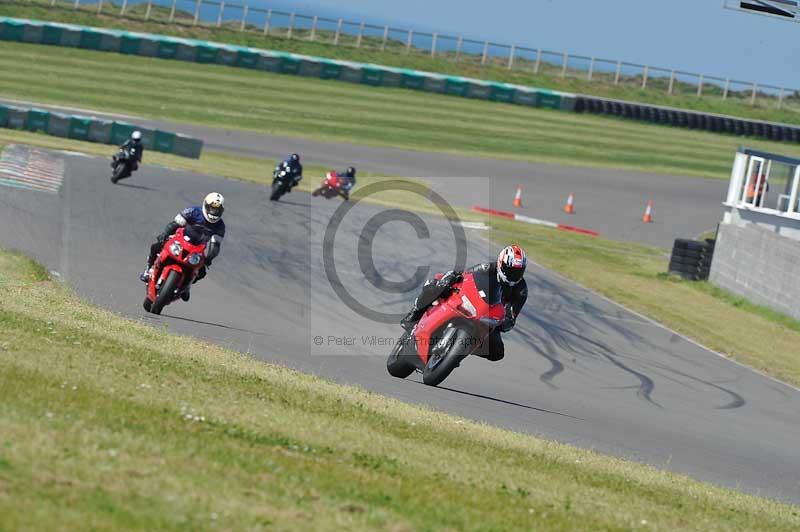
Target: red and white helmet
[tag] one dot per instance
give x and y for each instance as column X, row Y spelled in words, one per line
column 511, row 265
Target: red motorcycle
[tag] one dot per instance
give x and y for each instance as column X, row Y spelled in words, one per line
column 331, row 186
column 453, row 328
column 174, row 270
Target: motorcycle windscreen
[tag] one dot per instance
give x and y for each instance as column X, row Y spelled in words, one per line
column 196, row 234
column 488, row 287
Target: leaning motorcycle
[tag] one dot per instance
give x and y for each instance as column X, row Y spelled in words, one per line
column 331, row 186
column 452, row 329
column 174, row 270
column 122, row 164
column 281, row 184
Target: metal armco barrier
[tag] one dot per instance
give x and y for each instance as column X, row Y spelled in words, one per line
column 688, row 119
column 96, row 130
column 167, row 47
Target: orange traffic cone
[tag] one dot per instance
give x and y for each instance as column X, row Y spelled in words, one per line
column 518, row 197
column 569, row 208
column 648, row 212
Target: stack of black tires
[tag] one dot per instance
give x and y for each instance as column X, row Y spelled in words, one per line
column 691, row 259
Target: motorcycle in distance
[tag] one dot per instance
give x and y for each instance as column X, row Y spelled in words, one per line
column 174, row 270
column 451, row 330
column 122, row 164
column 281, row 183
column 331, row 186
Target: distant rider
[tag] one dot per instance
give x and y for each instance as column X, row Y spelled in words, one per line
column 292, row 167
column 203, row 224
column 508, row 271
column 348, row 179
column 134, row 144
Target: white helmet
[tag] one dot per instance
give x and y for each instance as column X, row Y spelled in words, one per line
column 136, row 135
column 213, row 206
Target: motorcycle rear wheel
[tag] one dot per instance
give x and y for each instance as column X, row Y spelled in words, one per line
column 166, row 293
column 450, row 360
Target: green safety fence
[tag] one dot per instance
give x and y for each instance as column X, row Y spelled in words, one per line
column 193, row 50
column 96, row 130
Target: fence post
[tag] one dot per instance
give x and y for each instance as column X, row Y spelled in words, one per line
column 75, row 6
column 511, row 55
column 725, row 90
column 538, row 61
column 385, row 37
column 780, row 98
column 753, row 96
column 172, row 11
column 459, row 44
column 267, row 21
column 408, row 41
column 244, row 17
column 197, row 12
column 671, row 81
column 123, row 8
column 591, row 69
column 644, row 77
column 146, row 13
column 564, row 65
column 485, row 52
column 313, row 28
column 360, row 34
column 433, row 44
column 100, row 8
column 291, row 26
column 219, row 14
column 619, row 71
column 700, row 87
column 338, row 32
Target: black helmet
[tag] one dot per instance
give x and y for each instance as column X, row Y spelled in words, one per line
column 351, row 171
column 295, row 157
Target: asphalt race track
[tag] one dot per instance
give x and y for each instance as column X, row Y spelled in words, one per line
column 578, row 368
column 609, row 201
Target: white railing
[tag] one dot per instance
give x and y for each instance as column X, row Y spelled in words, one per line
column 339, row 32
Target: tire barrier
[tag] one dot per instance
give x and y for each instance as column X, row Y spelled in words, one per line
column 95, row 130
column 688, row 119
column 198, row 51
column 691, row 259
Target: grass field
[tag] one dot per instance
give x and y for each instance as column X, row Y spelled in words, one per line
column 111, row 424
column 287, row 105
column 396, row 56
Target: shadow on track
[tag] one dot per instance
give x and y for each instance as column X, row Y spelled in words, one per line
column 505, row 402
column 221, row 326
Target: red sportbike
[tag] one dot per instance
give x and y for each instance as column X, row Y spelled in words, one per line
column 453, row 328
column 331, row 186
column 174, row 270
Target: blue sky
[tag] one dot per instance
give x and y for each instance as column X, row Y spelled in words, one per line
column 690, row 35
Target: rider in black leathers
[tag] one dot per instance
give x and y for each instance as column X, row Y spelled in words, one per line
column 293, row 169
column 134, row 143
column 511, row 264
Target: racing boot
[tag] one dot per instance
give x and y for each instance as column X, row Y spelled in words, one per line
column 411, row 318
column 185, row 295
column 145, row 275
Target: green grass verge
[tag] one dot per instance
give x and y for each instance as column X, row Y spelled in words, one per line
column 635, row 276
column 110, row 424
column 287, row 105
column 684, row 95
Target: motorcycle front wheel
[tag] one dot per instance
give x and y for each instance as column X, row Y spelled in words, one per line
column 440, row 365
column 166, row 293
column 119, row 171
column 277, row 191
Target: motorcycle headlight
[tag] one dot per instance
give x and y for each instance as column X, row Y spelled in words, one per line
column 195, row 258
column 175, row 249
